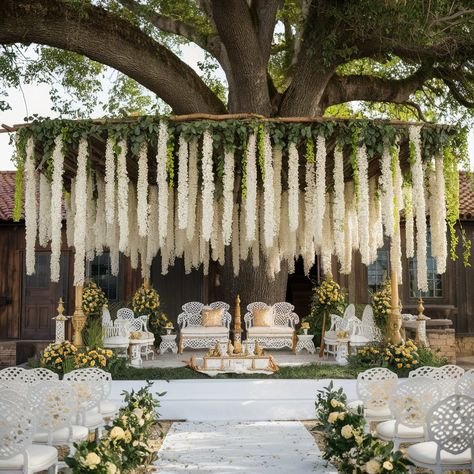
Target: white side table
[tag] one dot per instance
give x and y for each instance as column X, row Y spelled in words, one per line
column 305, row 341
column 342, row 351
column 168, row 342
column 136, row 347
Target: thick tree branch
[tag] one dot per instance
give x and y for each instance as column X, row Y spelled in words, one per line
column 103, row 37
column 265, row 14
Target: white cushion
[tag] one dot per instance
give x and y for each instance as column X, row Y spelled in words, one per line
column 330, row 336
column 205, row 331
column 79, row 433
column 108, row 407
column 270, row 331
column 386, row 429
column 92, row 420
column 426, row 453
column 381, row 413
column 40, row 458
column 115, row 341
column 143, row 342
column 357, row 339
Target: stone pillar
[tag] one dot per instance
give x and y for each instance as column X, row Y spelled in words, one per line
column 78, row 318
column 60, row 323
column 395, row 318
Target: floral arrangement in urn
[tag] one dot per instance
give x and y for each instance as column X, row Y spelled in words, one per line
column 55, row 356
column 146, row 301
column 382, row 304
column 93, row 299
column 94, row 358
column 402, row 356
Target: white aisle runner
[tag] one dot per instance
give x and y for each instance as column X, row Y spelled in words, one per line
column 266, row 447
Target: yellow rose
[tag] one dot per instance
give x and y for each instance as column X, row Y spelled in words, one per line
column 372, row 467
column 117, row 433
column 334, row 403
column 399, row 366
column 358, row 439
column 333, row 416
column 111, row 468
column 346, row 431
column 92, row 460
column 387, row 465
column 342, row 415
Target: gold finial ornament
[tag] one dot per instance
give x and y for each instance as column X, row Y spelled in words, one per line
column 421, row 309
column 237, row 327
column 395, row 317
column 78, row 318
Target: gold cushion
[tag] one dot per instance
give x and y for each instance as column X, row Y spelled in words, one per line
column 263, row 317
column 212, row 317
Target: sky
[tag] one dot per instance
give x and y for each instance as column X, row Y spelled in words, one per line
column 38, row 102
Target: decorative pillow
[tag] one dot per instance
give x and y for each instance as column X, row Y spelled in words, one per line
column 263, row 317
column 212, row 317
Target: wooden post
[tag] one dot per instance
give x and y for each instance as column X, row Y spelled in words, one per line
column 395, row 318
column 78, row 318
column 237, row 327
column 323, row 332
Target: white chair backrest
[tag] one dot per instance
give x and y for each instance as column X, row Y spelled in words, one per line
column 348, row 314
column 39, row 374
column 374, row 386
column 336, row 322
column 368, row 316
column 17, row 425
column 14, row 374
column 54, row 404
column 125, row 313
column 450, row 424
column 426, row 371
column 94, row 374
column 106, row 318
column 413, row 399
column 193, row 307
column 465, row 385
column 88, row 393
column 144, row 320
column 451, row 371
column 353, row 326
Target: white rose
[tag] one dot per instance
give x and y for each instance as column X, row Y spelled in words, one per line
column 372, row 467
column 117, row 432
column 92, row 460
column 333, row 416
column 141, row 422
column 111, row 468
column 138, row 412
column 387, row 465
column 346, row 431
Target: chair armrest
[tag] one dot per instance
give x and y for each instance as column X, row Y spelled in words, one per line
column 294, row 319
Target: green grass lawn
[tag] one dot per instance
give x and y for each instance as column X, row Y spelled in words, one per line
column 315, row 371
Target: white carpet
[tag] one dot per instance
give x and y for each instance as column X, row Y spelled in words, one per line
column 263, row 447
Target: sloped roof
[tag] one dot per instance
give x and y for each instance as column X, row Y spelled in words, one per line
column 7, row 191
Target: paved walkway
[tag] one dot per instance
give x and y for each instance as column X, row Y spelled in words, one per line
column 278, row 447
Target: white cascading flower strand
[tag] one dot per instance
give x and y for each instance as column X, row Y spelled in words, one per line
column 327, row 239
column 320, row 189
column 80, row 221
column 122, row 196
column 193, row 189
column 338, row 210
column 268, row 193
column 235, row 241
column 419, row 207
column 183, row 183
column 100, row 227
column 153, row 242
column 44, row 214
column 110, row 181
column 438, row 222
column 375, row 221
column 363, row 204
column 70, row 214
column 398, row 205
column 90, row 219
column 250, row 201
column 142, row 190
column 56, row 207
column 350, row 220
column 277, row 162
column 31, row 215
column 386, row 190
column 161, row 181
column 309, row 208
column 409, row 221
column 293, row 187
column 228, row 195
column 207, row 186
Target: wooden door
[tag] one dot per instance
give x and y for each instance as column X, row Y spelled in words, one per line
column 40, row 298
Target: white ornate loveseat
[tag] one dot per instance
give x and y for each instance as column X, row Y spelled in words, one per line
column 281, row 334
column 193, row 334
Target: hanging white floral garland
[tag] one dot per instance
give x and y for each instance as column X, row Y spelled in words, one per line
column 113, row 232
column 161, row 181
column 409, row 221
column 167, row 250
column 142, row 190
column 376, row 240
column 70, row 214
column 350, row 226
column 268, row 193
column 235, row 241
column 327, row 238
column 122, row 196
column 250, row 201
column 110, row 181
column 338, row 209
column 398, row 205
column 386, row 190
column 277, row 163
column 183, row 184
column 100, row 227
column 293, row 187
column 419, row 206
column 31, row 215
column 256, row 242
column 56, row 207
column 310, row 200
column 153, row 242
column 363, row 204
column 90, row 219
column 207, row 186
column 228, row 195
column 320, row 189
column 44, row 214
column 133, row 237
column 439, row 245
column 193, row 188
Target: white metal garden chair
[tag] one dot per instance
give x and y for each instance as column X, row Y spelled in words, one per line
column 14, row 374
column 39, row 374
column 17, row 453
column 374, row 387
column 465, row 385
column 55, row 406
column 116, row 334
column 451, row 437
column 338, row 323
column 410, row 404
column 446, row 376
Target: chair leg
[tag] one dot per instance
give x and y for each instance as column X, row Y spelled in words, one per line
column 294, row 342
column 180, row 344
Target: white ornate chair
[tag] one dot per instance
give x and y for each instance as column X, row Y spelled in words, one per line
column 40, row 374
column 281, row 334
column 17, row 453
column 55, row 407
column 193, row 334
column 410, row 405
column 338, row 323
column 446, row 376
column 116, row 333
column 451, row 437
column 465, row 385
column 14, row 374
column 374, row 387
column 364, row 331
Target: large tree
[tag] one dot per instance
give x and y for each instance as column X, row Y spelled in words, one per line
column 280, row 58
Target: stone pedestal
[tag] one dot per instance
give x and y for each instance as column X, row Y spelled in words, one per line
column 444, row 340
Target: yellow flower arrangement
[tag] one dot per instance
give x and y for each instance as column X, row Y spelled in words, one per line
column 54, row 355
column 93, row 299
column 305, row 325
column 403, row 356
column 382, row 303
column 146, row 301
column 94, row 358
column 329, row 295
